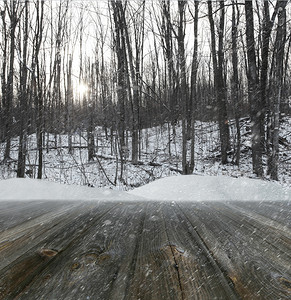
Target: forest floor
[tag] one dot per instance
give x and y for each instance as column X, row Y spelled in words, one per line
column 160, row 156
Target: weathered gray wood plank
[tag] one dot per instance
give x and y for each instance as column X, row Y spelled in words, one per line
column 21, row 237
column 93, row 261
column 146, row 251
column 26, row 210
column 256, row 258
column 173, row 263
column 154, row 275
column 52, row 239
column 200, row 275
column 273, row 211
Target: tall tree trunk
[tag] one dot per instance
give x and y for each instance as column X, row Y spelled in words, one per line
column 38, row 84
column 267, row 28
column 235, row 78
column 183, row 82
column 193, row 91
column 275, row 100
column 69, row 105
column 3, row 74
column 121, row 80
column 91, row 111
column 219, row 79
column 222, row 91
column 23, row 101
column 268, row 23
column 171, row 80
column 133, row 74
column 253, row 92
column 14, row 18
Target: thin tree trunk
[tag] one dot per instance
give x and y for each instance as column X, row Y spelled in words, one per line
column 37, row 83
column 183, row 83
column 91, row 110
column 193, row 96
column 23, row 101
column 3, row 75
column 14, row 18
column 235, row 79
column 69, row 105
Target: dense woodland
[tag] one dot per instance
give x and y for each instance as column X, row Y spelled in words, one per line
column 68, row 67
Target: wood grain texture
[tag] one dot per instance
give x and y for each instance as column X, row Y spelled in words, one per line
column 255, row 256
column 145, row 250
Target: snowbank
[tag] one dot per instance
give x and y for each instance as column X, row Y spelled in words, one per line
column 187, row 188
column 203, row 188
column 33, row 189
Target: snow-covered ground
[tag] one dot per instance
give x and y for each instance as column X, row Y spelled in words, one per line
column 175, row 188
column 160, row 157
column 33, row 189
column 204, row 188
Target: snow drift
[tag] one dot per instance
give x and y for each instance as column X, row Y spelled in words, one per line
column 187, row 188
column 203, row 188
column 33, row 189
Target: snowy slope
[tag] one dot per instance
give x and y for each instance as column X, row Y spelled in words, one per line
column 33, row 189
column 202, row 188
column 160, row 156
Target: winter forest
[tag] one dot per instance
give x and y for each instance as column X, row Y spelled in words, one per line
column 119, row 93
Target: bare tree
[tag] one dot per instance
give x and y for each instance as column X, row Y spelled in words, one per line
column 193, row 88
column 37, row 83
column 276, row 94
column 171, row 77
column 219, row 78
column 23, row 96
column 13, row 9
column 253, row 91
column 183, row 90
column 4, row 73
column 69, row 104
column 91, row 79
column 235, row 77
column 119, row 43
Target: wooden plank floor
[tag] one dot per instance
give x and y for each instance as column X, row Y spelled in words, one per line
column 145, row 250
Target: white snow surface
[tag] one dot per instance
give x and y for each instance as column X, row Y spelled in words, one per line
column 34, row 189
column 174, row 188
column 203, row 188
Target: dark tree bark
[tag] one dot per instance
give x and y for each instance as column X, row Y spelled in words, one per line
column 183, row 91
column 3, row 74
column 166, row 32
column 235, row 78
column 219, row 79
column 14, row 15
column 133, row 71
column 267, row 28
column 121, row 79
column 268, row 24
column 38, row 84
column 193, row 88
column 92, row 79
column 69, row 104
column 23, row 99
column 276, row 95
column 254, row 92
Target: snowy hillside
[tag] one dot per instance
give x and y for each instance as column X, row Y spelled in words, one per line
column 160, row 157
